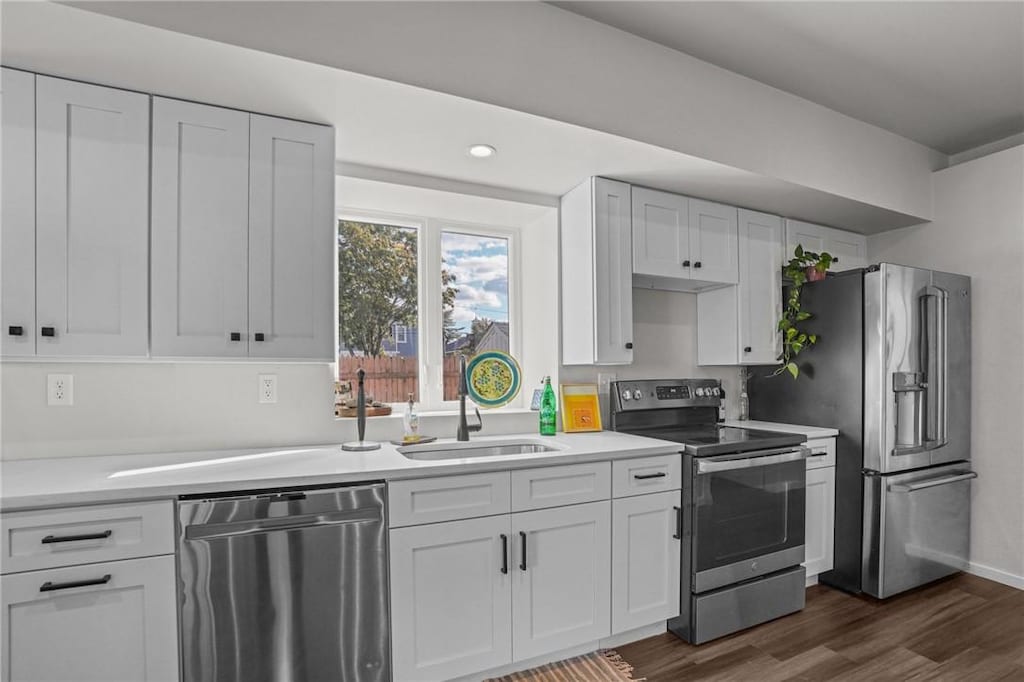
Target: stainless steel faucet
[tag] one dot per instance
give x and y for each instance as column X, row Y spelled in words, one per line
column 465, row 428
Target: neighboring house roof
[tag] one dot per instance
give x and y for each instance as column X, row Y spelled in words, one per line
column 494, row 338
column 457, row 344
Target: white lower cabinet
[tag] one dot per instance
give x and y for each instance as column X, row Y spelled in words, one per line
column 451, row 603
column 105, row 622
column 645, row 560
column 819, row 539
column 562, row 577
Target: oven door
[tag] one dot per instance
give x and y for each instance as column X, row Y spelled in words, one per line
column 748, row 515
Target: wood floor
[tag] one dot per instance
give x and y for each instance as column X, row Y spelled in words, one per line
column 963, row 628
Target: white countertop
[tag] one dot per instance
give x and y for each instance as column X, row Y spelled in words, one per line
column 78, row 480
column 810, row 432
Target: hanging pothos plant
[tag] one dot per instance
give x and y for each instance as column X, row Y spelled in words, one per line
column 803, row 267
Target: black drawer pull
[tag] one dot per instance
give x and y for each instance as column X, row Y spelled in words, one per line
column 697, row 264
column 679, row 523
column 522, row 544
column 258, row 336
column 641, row 477
column 15, row 330
column 504, row 554
column 236, row 336
column 50, row 539
column 686, row 263
column 629, row 345
column 52, row 587
column 48, row 331
column 747, row 349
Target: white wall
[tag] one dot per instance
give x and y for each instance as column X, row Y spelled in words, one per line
column 978, row 230
column 664, row 346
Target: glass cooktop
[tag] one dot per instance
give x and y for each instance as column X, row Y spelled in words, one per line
column 703, row 441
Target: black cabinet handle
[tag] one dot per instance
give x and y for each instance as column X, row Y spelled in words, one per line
column 51, row 539
column 236, row 336
column 15, row 330
column 836, row 259
column 48, row 331
column 686, row 263
column 504, row 554
column 641, row 477
column 51, row 587
column 679, row 523
column 697, row 264
column 522, row 545
column 258, row 336
column 629, row 345
column 747, row 349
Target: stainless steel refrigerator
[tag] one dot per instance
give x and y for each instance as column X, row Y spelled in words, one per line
column 892, row 371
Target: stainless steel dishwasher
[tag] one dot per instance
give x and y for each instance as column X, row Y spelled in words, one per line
column 285, row 586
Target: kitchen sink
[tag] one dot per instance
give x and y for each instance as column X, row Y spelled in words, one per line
column 480, row 449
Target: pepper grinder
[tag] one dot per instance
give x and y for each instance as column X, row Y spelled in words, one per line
column 360, row 445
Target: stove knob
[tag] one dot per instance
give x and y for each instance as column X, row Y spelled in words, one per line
column 699, row 392
column 626, row 395
column 638, row 395
column 715, row 391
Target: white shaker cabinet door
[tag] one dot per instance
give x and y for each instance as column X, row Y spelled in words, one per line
column 819, row 529
column 92, row 219
column 450, row 598
column 200, row 230
column 92, row 623
column 613, row 294
column 292, row 239
column 849, row 249
column 645, row 560
column 760, row 289
column 561, row 578
column 18, row 213
column 661, row 234
column 713, row 242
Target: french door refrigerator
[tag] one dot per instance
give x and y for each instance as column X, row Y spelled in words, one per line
column 892, row 371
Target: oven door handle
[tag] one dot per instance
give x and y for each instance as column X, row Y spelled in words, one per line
column 711, row 465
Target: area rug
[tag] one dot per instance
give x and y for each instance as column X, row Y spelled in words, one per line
column 597, row 666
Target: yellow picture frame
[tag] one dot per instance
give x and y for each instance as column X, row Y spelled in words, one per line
column 581, row 409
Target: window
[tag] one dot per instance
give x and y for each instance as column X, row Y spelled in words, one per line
column 414, row 294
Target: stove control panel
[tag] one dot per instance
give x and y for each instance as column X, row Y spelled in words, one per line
column 648, row 394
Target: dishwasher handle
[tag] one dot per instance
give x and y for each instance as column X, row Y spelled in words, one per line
column 209, row 531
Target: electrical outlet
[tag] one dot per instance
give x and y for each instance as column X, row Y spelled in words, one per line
column 60, row 390
column 268, row 388
column 604, row 380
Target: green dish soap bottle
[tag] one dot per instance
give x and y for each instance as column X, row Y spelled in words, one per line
column 548, row 409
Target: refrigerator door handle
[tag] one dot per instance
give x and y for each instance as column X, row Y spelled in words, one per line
column 936, row 335
column 931, row 483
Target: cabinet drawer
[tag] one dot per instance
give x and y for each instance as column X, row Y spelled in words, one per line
column 558, row 486
column 823, row 453
column 447, row 498
column 80, row 535
column 647, row 475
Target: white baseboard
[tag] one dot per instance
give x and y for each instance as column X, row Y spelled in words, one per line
column 811, row 580
column 997, row 575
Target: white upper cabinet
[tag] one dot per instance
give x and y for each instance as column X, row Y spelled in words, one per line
column 739, row 325
column 596, row 277
column 200, row 226
column 292, row 242
column 849, row 248
column 661, row 233
column 18, row 213
column 92, row 218
column 713, row 242
column 682, row 244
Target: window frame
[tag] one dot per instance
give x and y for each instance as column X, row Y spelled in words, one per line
column 430, row 333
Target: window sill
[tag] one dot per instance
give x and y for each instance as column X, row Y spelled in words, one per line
column 397, row 413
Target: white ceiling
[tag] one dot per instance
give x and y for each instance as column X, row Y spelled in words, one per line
column 416, row 134
column 949, row 75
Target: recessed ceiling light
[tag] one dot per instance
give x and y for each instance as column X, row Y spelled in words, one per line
column 482, row 151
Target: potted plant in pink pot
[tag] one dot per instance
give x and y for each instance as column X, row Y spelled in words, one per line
column 805, row 266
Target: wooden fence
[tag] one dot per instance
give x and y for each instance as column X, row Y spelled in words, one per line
column 392, row 379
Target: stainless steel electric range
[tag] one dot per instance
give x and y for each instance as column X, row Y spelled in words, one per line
column 742, row 507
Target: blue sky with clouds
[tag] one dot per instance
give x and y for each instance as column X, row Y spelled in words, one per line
column 480, row 266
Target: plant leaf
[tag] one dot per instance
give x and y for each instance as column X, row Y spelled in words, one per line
column 793, row 369
column 799, row 251
column 813, row 338
column 790, row 333
column 803, row 315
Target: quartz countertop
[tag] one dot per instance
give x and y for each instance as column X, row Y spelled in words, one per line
column 81, row 480
column 810, row 432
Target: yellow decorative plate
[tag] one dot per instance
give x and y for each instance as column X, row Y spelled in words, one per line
column 493, row 378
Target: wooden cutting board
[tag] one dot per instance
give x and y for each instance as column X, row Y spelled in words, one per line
column 382, row 411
